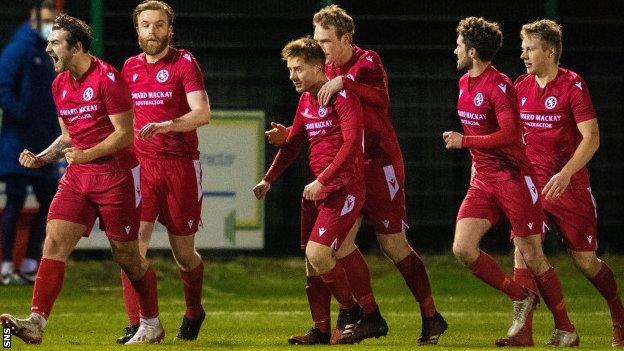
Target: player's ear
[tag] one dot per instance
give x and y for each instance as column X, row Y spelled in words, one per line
column 345, row 38
column 472, row 53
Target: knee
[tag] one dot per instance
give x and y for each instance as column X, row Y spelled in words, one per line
column 188, row 260
column 465, row 253
column 531, row 255
column 319, row 259
column 55, row 248
column 126, row 258
column 395, row 249
column 589, row 266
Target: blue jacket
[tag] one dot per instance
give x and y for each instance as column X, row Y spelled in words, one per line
column 29, row 119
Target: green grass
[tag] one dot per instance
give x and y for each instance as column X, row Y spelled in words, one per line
column 256, row 303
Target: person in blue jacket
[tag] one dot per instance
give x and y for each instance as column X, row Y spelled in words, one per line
column 29, row 121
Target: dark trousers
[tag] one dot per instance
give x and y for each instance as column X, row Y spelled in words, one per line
column 44, row 189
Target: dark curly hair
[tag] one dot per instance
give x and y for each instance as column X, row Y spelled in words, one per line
column 79, row 31
column 484, row 36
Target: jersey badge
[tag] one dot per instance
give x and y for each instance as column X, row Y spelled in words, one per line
column 162, row 76
column 478, row 99
column 550, row 102
column 87, row 94
column 322, row 111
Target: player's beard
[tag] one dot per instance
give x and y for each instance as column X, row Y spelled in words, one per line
column 466, row 64
column 154, row 48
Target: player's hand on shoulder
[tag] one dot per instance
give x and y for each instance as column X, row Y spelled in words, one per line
column 277, row 135
column 75, row 156
column 261, row 189
column 328, row 90
column 29, row 160
column 453, row 140
column 313, row 190
column 151, row 129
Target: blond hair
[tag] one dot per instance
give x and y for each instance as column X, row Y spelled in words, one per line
column 336, row 17
column 548, row 31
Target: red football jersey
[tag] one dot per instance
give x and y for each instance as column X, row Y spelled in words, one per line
column 85, row 106
column 365, row 76
column 482, row 101
column 550, row 115
column 159, row 94
column 324, row 127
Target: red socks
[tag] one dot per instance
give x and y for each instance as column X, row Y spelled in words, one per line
column 131, row 300
column 524, row 277
column 486, row 269
column 48, row 285
column 193, row 282
column 359, row 279
column 415, row 275
column 550, row 290
column 319, row 300
column 604, row 281
column 336, row 281
column 147, row 291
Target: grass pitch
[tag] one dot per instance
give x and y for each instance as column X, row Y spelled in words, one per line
column 257, row 303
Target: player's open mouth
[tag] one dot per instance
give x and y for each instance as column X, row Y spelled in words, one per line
column 54, row 58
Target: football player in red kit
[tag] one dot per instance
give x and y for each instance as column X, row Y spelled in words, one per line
column 102, row 180
column 332, row 202
column 561, row 136
column 170, row 103
column 362, row 73
column 503, row 180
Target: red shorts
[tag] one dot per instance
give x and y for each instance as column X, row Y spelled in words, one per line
column 574, row 213
column 114, row 197
column 172, row 193
column 518, row 199
column 385, row 198
column 328, row 221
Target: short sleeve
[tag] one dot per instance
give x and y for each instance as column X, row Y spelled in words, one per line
column 192, row 76
column 115, row 93
column 580, row 102
column 503, row 99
